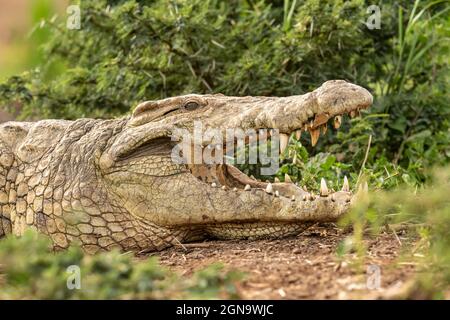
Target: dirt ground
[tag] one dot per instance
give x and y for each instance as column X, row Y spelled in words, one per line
column 304, row 267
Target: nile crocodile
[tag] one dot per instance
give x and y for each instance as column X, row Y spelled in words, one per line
column 114, row 184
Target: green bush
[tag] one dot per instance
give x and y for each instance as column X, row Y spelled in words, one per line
column 423, row 215
column 30, row 270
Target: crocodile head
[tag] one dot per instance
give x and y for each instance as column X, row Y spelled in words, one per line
column 192, row 199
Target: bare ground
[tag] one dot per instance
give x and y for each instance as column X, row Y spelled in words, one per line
column 304, row 267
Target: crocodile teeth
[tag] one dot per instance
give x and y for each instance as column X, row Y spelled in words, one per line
column 315, row 133
column 324, row 129
column 352, row 113
column 287, row 178
column 276, row 180
column 284, row 139
column 298, row 134
column 293, row 198
column 320, row 119
column 304, row 198
column 213, row 185
column 323, row 188
column 252, row 177
column 305, row 189
column 277, row 194
column 247, row 187
column 346, row 186
column 224, row 188
column 312, row 196
column 337, row 122
column 269, row 188
column 235, row 189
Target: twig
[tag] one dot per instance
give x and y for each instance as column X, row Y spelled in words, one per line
column 180, row 244
column 365, row 159
column 396, row 236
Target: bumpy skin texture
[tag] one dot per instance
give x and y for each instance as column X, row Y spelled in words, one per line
column 112, row 183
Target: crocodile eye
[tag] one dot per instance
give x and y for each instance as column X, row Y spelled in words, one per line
column 191, row 106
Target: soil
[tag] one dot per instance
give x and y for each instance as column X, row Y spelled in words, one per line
column 304, row 267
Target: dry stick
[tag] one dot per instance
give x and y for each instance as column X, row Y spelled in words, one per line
column 180, row 244
column 365, row 159
column 395, row 234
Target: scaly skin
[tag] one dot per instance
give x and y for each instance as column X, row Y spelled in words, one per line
column 112, row 183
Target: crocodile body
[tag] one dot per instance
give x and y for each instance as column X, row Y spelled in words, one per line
column 114, row 184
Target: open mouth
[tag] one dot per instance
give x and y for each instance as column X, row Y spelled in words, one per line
column 228, row 177
column 229, row 203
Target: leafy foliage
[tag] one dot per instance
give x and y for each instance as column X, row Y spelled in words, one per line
column 425, row 214
column 30, row 270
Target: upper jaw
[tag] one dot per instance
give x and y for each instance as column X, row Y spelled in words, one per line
column 312, row 111
column 309, row 112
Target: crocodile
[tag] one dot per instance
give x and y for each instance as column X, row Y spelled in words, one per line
column 114, row 183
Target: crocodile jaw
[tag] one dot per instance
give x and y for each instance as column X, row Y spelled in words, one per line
column 227, row 203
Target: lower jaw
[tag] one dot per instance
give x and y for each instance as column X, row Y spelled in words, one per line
column 229, row 177
column 255, row 230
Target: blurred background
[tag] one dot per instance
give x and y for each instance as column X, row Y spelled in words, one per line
column 19, row 37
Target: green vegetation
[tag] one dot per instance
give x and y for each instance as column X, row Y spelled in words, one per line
column 128, row 51
column 22, row 52
column 32, row 271
column 425, row 215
